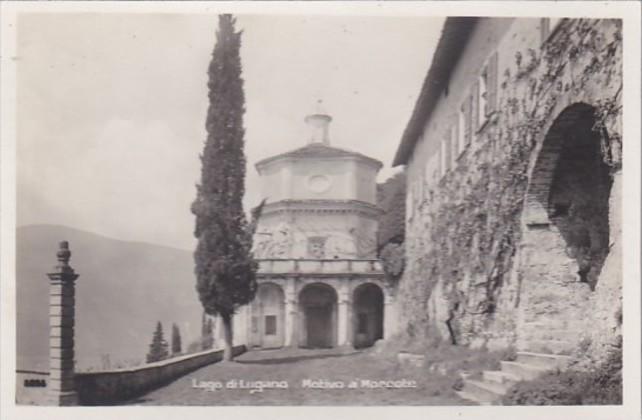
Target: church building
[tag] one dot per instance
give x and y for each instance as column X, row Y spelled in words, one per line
column 319, row 282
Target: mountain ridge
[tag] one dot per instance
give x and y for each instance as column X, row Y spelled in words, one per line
column 123, row 289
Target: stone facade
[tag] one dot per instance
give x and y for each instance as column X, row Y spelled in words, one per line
column 513, row 158
column 320, row 284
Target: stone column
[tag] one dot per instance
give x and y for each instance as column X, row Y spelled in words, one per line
column 61, row 330
column 389, row 315
column 291, row 308
column 345, row 316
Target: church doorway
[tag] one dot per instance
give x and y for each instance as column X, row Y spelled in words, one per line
column 319, row 307
column 367, row 315
column 268, row 316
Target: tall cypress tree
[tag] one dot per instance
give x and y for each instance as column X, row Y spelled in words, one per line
column 225, row 269
column 158, row 348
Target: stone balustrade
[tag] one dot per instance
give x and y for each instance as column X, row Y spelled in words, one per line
column 330, row 266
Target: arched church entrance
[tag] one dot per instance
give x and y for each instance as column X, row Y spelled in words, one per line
column 318, row 304
column 367, row 315
column 268, row 316
column 567, row 229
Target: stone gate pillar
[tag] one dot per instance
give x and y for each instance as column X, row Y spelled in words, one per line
column 61, row 330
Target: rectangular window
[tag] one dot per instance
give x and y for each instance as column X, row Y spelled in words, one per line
column 454, row 145
column 410, row 205
column 467, row 109
column 270, row 325
column 475, row 110
column 255, row 324
column 461, row 130
column 491, row 86
column 444, row 155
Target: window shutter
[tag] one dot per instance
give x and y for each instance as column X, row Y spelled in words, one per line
column 448, row 150
column 492, row 83
column 454, row 139
column 475, row 111
column 544, row 28
column 468, row 122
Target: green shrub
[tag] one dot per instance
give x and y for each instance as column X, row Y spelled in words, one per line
column 601, row 386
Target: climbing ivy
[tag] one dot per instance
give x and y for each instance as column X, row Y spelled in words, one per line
column 471, row 226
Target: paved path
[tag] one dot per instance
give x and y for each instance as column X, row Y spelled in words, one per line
column 310, row 376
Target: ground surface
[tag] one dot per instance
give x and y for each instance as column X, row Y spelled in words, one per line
column 293, row 367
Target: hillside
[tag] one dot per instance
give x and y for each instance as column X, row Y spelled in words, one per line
column 124, row 288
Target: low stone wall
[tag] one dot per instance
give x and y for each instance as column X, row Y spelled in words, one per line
column 114, row 386
column 31, row 387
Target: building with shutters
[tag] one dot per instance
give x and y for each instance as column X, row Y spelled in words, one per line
column 513, row 160
column 319, row 282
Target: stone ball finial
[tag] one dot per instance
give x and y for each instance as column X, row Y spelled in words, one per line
column 63, row 253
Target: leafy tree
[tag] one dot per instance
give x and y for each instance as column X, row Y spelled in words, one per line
column 391, row 198
column 225, row 268
column 158, row 348
column 176, row 340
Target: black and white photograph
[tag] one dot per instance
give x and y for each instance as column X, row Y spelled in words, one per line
column 321, row 205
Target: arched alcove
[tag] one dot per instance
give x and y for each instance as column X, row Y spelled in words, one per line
column 318, row 326
column 367, row 311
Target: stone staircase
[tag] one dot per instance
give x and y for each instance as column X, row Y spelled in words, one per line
column 494, row 384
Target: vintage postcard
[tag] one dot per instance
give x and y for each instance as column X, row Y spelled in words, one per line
column 322, row 209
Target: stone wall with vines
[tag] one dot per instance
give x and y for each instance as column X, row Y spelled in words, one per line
column 462, row 276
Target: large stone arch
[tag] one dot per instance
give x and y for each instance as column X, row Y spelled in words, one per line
column 367, row 314
column 267, row 329
column 566, row 231
column 318, row 302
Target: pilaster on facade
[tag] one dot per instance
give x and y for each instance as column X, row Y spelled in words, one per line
column 345, row 311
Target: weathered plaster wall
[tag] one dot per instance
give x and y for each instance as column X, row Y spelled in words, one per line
column 483, row 257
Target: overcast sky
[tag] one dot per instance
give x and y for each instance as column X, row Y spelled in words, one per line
column 111, row 107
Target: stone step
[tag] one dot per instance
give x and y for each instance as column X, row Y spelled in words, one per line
column 546, row 346
column 497, row 376
column 549, row 361
column 549, row 334
column 474, row 398
column 484, row 391
column 523, row 371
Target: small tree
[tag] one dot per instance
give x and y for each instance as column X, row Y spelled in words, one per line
column 176, row 340
column 158, row 348
column 225, row 268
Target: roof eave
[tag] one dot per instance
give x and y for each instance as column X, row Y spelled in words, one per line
column 454, row 36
